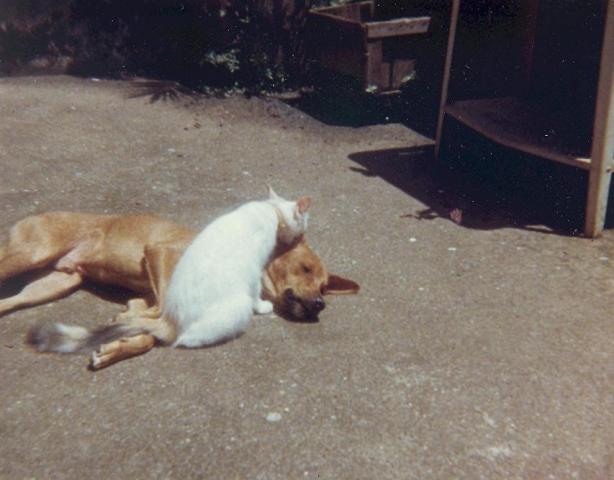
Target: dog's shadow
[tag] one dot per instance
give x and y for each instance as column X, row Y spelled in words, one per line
column 113, row 294
column 289, row 317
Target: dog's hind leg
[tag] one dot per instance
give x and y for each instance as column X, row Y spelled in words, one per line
column 33, row 244
column 121, row 349
column 160, row 330
column 160, row 261
column 51, row 286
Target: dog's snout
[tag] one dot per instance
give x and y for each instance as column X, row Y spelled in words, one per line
column 318, row 305
column 289, row 294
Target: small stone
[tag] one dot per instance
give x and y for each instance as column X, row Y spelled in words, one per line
column 273, row 417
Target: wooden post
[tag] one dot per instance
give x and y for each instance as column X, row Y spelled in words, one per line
column 373, row 72
column 530, row 12
column 602, row 150
column 446, row 74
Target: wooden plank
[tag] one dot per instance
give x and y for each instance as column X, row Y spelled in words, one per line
column 374, row 76
column 530, row 11
column 326, row 24
column 336, row 43
column 401, row 68
column 358, row 12
column 347, row 61
column 443, row 100
column 603, row 135
column 522, row 126
column 397, row 27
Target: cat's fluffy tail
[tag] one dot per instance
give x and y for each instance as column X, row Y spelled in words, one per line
column 61, row 338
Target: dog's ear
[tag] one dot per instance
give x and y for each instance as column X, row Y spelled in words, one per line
column 340, row 286
column 272, row 194
column 303, row 204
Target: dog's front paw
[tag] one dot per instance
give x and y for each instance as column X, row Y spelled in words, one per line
column 263, row 307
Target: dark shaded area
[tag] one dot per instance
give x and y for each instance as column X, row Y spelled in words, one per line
column 487, row 63
column 251, row 45
column 206, row 45
column 287, row 315
column 566, row 66
column 340, row 101
column 162, row 90
column 480, row 184
column 199, row 44
column 484, row 186
column 110, row 293
column 194, row 46
column 14, row 285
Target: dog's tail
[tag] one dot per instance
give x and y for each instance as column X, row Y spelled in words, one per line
column 61, row 338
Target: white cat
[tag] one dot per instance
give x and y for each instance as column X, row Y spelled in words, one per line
column 216, row 285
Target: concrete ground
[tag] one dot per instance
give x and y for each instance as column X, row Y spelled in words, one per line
column 472, row 353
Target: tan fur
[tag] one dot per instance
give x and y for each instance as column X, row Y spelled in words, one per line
column 138, row 252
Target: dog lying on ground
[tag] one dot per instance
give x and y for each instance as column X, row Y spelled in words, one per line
column 139, row 252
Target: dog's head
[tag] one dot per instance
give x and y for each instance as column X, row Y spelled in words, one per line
column 296, row 282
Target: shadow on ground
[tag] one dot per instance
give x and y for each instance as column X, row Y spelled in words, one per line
column 163, row 90
column 344, row 104
column 14, row 285
column 483, row 186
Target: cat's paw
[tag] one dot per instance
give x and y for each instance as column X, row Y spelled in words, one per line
column 263, row 307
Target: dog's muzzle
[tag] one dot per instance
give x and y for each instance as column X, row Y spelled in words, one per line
column 302, row 308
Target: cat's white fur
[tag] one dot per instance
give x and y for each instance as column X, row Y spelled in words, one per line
column 215, row 287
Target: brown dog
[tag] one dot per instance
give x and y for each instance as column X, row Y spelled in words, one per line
column 139, row 252
column 296, row 280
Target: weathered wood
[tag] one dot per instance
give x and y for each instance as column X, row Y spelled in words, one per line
column 348, row 39
column 374, row 74
column 528, row 127
column 522, row 126
column 603, row 135
column 326, row 24
column 443, row 100
column 337, row 43
column 401, row 68
column 528, row 48
column 358, row 12
column 397, row 27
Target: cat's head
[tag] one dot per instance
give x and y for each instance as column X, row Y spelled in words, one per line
column 293, row 217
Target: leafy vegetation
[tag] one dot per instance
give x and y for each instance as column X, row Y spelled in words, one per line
column 207, row 45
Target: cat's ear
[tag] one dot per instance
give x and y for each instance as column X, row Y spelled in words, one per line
column 303, row 204
column 272, row 194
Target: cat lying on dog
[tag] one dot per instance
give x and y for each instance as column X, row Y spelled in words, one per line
column 216, row 284
column 140, row 252
column 214, row 289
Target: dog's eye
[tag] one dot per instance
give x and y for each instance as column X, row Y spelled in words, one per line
column 306, row 268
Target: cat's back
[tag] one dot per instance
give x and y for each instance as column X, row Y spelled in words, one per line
column 246, row 219
column 246, row 229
